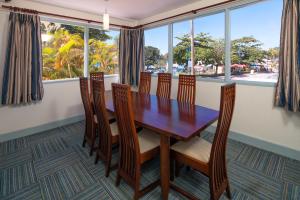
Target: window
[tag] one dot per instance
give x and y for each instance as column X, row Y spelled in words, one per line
column 62, row 51
column 209, row 46
column 255, row 35
column 103, row 51
column 182, row 48
column 156, row 49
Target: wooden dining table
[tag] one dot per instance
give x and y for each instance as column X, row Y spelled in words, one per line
column 170, row 119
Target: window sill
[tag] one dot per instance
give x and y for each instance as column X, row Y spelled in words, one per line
column 74, row 79
column 239, row 82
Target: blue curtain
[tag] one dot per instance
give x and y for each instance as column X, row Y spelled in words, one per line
column 288, row 86
column 131, row 55
column 22, row 78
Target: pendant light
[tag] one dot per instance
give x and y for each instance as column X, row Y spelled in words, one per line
column 106, row 19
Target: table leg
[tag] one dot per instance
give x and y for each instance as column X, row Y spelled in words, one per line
column 165, row 166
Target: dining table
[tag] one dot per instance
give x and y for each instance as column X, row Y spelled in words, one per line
column 170, row 119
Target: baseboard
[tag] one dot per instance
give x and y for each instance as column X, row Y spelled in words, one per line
column 40, row 128
column 256, row 142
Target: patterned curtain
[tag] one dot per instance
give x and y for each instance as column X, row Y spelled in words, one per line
column 288, row 86
column 131, row 55
column 22, row 79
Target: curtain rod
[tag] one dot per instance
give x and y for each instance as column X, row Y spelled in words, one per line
column 195, row 11
column 17, row 9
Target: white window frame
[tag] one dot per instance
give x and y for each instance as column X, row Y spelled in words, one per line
column 226, row 9
column 86, row 27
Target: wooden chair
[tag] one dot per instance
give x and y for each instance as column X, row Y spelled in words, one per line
column 145, row 82
column 210, row 159
column 186, row 88
column 90, row 120
column 135, row 149
column 164, row 85
column 108, row 132
column 100, row 77
column 95, row 76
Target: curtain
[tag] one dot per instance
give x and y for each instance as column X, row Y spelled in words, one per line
column 288, row 86
column 131, row 55
column 22, row 78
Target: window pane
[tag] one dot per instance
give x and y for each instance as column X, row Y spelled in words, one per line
column 103, row 51
column 156, row 49
column 255, row 33
column 209, row 45
column 62, row 50
column 182, row 48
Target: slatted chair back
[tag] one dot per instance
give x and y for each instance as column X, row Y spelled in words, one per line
column 187, row 88
column 129, row 159
column 95, row 76
column 145, row 82
column 217, row 162
column 164, row 85
column 105, row 135
column 89, row 116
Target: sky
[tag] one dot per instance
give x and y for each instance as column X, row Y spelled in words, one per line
column 261, row 20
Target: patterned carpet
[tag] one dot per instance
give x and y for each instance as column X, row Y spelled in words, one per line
column 53, row 165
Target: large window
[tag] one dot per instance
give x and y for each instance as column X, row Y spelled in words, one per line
column 103, row 51
column 63, row 50
column 182, row 63
column 209, row 46
column 255, row 34
column 239, row 42
column 156, row 49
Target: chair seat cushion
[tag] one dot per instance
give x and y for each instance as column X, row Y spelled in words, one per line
column 148, row 140
column 114, row 129
column 196, row 148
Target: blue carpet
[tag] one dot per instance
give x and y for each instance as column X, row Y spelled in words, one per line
column 53, row 165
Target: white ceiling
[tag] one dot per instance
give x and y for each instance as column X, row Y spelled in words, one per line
column 128, row 9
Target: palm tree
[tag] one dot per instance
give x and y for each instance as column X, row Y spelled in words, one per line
column 103, row 54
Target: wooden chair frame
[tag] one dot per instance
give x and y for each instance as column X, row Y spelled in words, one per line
column 164, row 85
column 95, row 76
column 186, row 88
column 216, row 168
column 130, row 158
column 106, row 139
column 90, row 123
column 145, row 82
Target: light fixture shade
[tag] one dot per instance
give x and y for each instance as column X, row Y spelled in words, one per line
column 106, row 21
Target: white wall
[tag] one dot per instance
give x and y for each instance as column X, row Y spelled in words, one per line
column 61, row 101
column 254, row 114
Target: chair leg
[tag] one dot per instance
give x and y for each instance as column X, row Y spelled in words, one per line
column 171, row 169
column 92, row 149
column 83, row 143
column 137, row 191
column 178, row 167
column 107, row 167
column 97, row 158
column 118, row 180
column 228, row 192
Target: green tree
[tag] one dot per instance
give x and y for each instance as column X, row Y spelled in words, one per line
column 70, row 52
column 181, row 52
column 246, row 50
column 93, row 33
column 152, row 56
column 103, row 56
